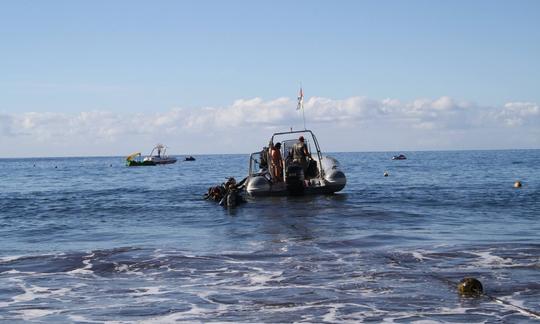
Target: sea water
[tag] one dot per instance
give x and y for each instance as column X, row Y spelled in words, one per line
column 91, row 240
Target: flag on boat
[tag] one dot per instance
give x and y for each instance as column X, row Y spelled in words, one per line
column 300, row 99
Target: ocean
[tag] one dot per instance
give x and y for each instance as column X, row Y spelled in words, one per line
column 91, row 240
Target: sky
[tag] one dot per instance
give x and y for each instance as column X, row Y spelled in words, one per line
column 96, row 78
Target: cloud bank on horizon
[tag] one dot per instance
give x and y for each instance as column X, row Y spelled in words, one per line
column 351, row 124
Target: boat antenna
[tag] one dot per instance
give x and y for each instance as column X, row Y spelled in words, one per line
column 301, row 104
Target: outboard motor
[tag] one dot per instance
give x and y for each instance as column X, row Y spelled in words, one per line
column 294, row 179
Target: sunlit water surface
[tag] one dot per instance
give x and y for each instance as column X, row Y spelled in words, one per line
column 88, row 239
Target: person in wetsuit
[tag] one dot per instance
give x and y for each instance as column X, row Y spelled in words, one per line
column 277, row 162
column 300, row 153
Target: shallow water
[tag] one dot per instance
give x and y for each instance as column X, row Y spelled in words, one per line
column 88, row 239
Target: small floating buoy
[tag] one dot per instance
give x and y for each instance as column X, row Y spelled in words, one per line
column 517, row 184
column 470, row 287
column 56, row 167
column 386, row 173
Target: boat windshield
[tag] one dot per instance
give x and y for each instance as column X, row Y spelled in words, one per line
column 255, row 165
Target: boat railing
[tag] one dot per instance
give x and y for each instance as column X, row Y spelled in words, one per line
column 310, row 151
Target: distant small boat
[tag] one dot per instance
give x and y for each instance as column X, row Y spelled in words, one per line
column 160, row 157
column 399, row 157
column 135, row 159
column 190, row 158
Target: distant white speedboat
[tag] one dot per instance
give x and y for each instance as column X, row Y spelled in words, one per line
column 160, row 156
column 322, row 175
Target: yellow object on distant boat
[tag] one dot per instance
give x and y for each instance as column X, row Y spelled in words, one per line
column 135, row 160
column 132, row 156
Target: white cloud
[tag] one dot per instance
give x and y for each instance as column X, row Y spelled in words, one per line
column 207, row 128
column 516, row 113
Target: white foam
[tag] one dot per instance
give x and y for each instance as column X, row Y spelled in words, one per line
column 87, row 266
column 78, row 318
column 122, row 268
column 5, row 304
column 11, row 258
column 261, row 277
column 170, row 318
column 146, row 291
column 33, row 313
column 330, row 316
column 195, row 311
column 81, row 271
column 488, row 259
column 13, row 271
column 417, row 255
column 517, row 304
column 29, row 293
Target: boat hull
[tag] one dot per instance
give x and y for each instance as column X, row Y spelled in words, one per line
column 159, row 160
column 140, row 163
column 260, row 186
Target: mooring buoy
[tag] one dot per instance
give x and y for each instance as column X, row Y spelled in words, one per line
column 385, row 173
column 517, row 184
column 470, row 287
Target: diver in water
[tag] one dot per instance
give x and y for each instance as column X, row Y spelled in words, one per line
column 227, row 194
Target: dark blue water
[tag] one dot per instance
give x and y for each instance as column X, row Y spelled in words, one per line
column 90, row 240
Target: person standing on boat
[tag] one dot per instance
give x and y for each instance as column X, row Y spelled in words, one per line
column 277, row 162
column 300, row 153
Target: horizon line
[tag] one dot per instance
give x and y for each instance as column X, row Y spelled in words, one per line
column 210, row 154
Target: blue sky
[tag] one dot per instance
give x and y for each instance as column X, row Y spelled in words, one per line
column 61, row 59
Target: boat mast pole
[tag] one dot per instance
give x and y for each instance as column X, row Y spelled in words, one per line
column 303, row 114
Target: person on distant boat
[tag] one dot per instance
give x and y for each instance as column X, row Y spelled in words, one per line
column 277, row 162
column 300, row 153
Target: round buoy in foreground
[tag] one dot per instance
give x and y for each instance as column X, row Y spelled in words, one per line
column 470, row 287
column 386, row 173
column 517, row 184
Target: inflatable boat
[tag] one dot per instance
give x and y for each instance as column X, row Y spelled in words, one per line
column 320, row 174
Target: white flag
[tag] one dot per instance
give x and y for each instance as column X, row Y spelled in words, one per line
column 300, row 100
